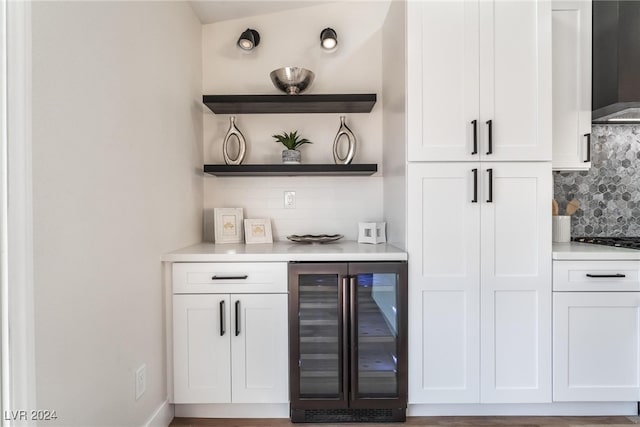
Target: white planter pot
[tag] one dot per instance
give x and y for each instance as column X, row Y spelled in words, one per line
column 291, row 157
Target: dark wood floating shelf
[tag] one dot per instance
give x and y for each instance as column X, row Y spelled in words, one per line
column 291, row 170
column 274, row 104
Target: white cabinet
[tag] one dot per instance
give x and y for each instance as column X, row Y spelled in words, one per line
column 571, row 84
column 479, row 80
column 596, row 337
column 596, row 331
column 230, row 347
column 480, row 282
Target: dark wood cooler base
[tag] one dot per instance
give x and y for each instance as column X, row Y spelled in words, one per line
column 348, row 415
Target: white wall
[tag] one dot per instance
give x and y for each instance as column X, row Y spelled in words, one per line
column 292, row 38
column 117, row 155
column 394, row 114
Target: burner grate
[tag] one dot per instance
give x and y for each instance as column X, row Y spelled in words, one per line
column 620, row 242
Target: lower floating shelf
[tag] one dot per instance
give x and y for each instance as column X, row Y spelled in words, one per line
column 291, row 170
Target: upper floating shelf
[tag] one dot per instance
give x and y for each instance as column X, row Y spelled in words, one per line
column 274, row 104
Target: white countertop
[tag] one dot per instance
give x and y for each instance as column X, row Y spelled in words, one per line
column 286, row 251
column 576, row 251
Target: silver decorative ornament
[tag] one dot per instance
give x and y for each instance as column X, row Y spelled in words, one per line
column 344, row 131
column 242, row 144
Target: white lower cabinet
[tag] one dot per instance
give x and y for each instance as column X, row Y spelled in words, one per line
column 596, row 331
column 595, row 346
column 230, row 348
column 479, row 282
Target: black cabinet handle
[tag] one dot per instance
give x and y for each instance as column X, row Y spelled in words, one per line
column 588, row 135
column 237, row 318
column 475, row 136
column 229, row 277
column 490, row 145
column 222, row 328
column 475, row 185
column 607, row 276
column 490, row 172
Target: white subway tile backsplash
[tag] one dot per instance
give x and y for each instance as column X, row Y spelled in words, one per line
column 332, row 205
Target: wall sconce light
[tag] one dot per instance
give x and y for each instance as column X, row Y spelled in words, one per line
column 248, row 39
column 328, row 39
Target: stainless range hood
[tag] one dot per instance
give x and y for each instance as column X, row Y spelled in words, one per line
column 616, row 62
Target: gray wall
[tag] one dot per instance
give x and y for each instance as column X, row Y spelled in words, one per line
column 117, row 150
column 609, row 193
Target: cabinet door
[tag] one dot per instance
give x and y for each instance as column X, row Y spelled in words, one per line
column 515, row 79
column 571, row 84
column 259, row 345
column 444, row 272
column 443, row 79
column 516, row 283
column 201, row 349
column 595, row 346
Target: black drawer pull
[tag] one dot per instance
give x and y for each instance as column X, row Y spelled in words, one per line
column 222, row 328
column 229, row 277
column 475, row 136
column 607, row 276
column 490, row 139
column 588, row 136
column 475, row 185
column 490, row 172
column 237, row 318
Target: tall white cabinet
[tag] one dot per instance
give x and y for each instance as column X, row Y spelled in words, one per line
column 479, row 192
column 479, row 77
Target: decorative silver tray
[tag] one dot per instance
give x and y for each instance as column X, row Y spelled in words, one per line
column 315, row 238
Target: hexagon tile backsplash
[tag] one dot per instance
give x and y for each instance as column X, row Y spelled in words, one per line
column 609, row 193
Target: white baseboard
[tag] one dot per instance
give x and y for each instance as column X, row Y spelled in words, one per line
column 528, row 409
column 233, row 410
column 162, row 417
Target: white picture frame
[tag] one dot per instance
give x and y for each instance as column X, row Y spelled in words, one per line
column 228, row 225
column 257, row 231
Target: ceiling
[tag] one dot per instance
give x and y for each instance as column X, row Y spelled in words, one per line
column 210, row 11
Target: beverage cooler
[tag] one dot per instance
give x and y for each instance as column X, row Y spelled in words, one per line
column 348, row 341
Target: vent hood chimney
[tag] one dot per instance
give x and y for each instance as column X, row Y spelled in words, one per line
column 616, row 62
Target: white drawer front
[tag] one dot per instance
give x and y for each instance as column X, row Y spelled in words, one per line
column 233, row 277
column 596, row 276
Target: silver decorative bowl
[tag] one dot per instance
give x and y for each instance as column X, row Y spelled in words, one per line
column 292, row 80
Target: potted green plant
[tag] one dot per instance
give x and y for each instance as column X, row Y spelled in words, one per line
column 291, row 141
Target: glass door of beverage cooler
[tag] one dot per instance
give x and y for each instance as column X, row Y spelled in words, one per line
column 319, row 370
column 348, row 338
column 378, row 322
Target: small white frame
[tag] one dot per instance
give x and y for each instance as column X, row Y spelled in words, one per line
column 258, row 231
column 228, row 225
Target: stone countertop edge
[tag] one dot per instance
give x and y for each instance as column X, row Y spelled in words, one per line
column 286, row 251
column 575, row 251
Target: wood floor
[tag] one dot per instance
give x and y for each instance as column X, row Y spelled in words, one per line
column 423, row 422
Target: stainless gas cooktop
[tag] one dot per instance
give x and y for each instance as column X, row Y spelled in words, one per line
column 621, row 242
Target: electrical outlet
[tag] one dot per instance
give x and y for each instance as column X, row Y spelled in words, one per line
column 141, row 380
column 289, row 199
